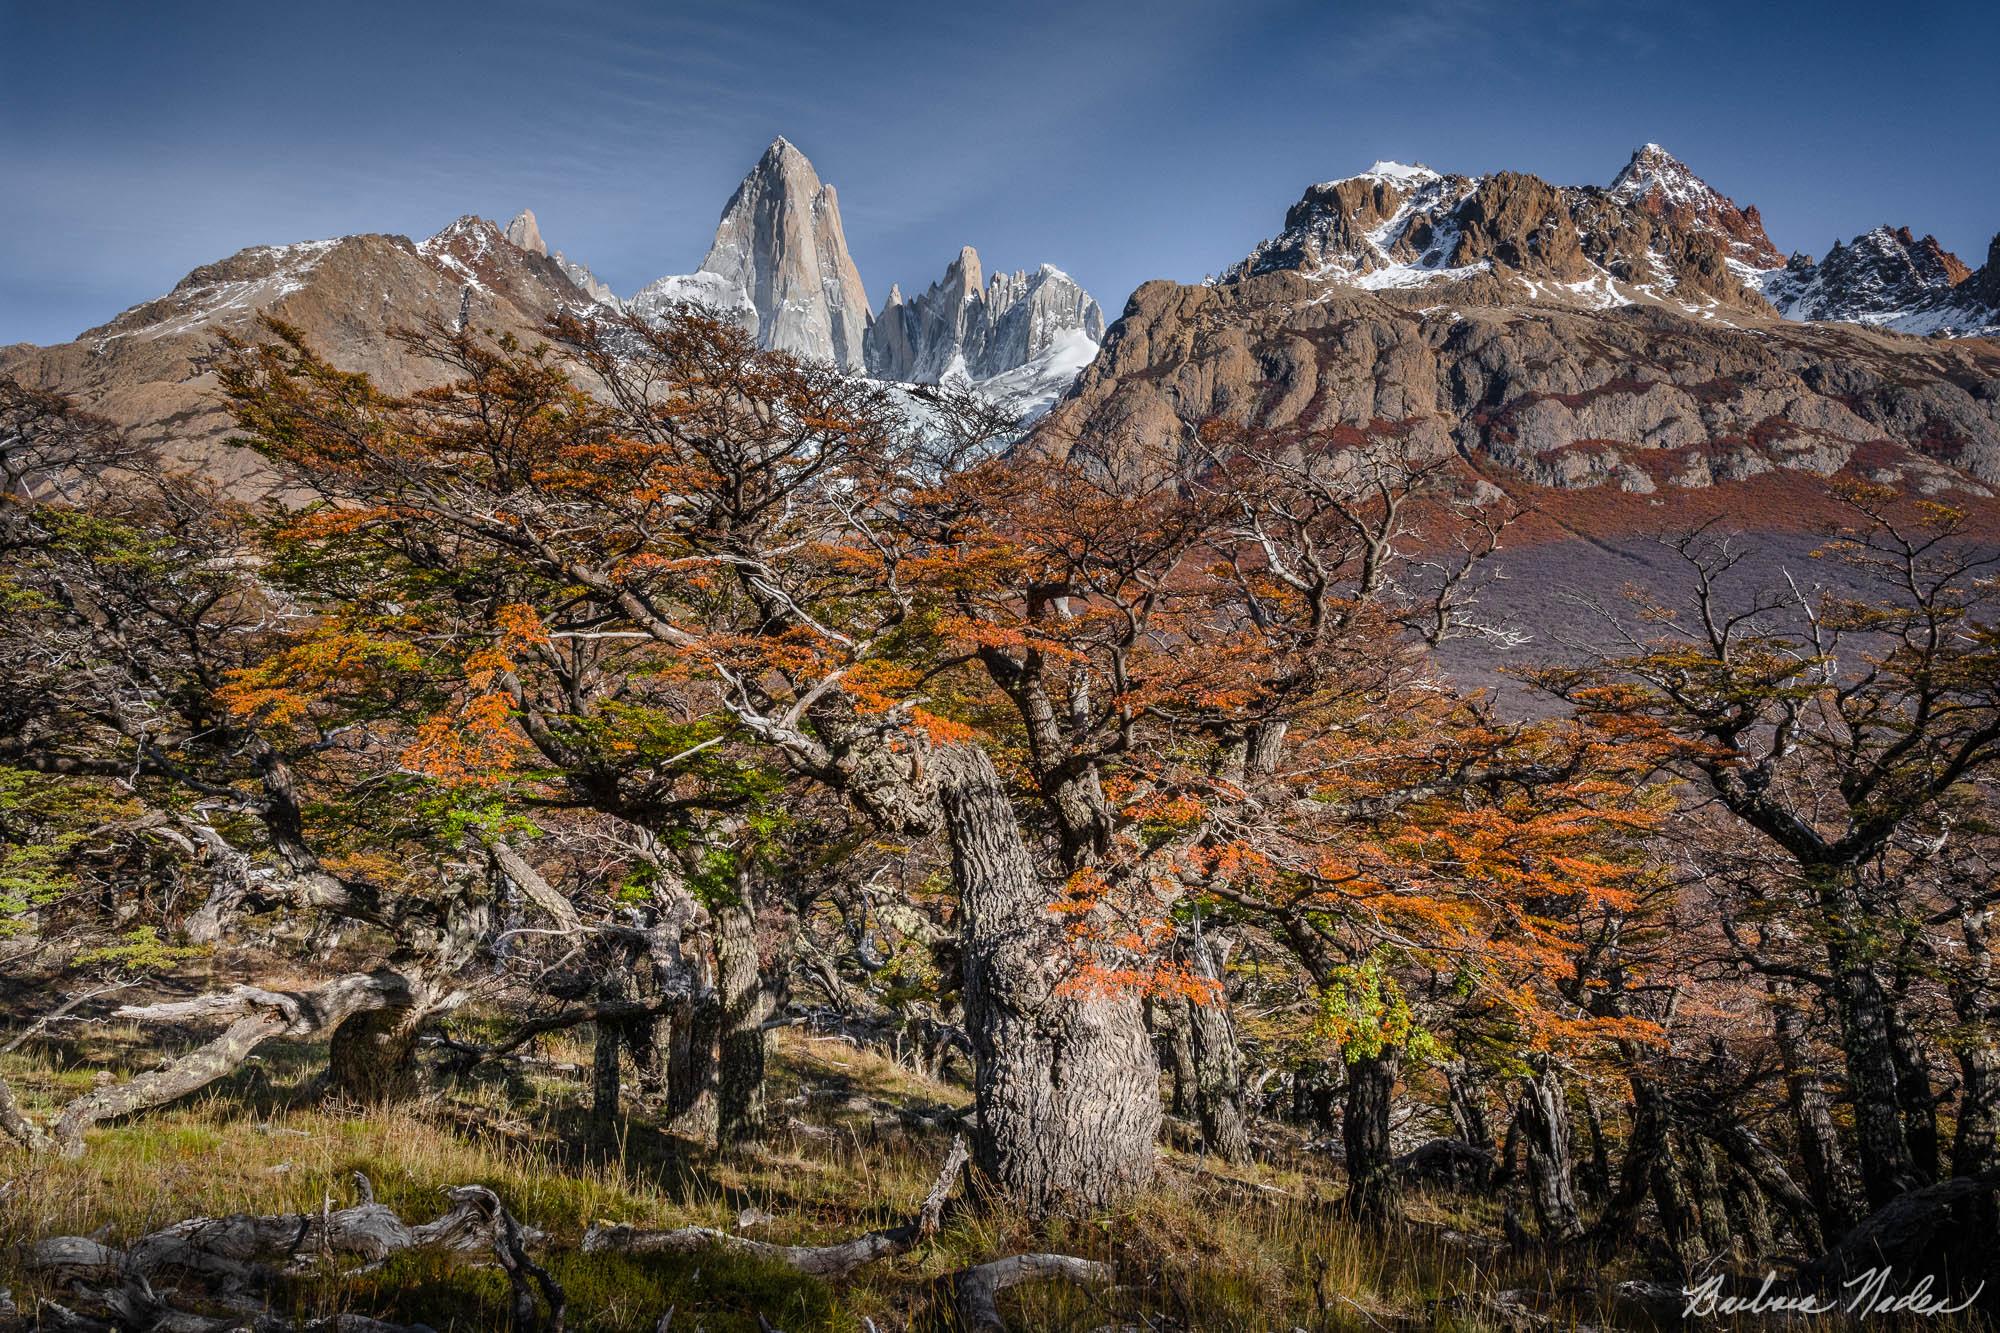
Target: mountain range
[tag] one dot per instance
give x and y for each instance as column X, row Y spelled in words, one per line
column 1644, row 337
column 778, row 264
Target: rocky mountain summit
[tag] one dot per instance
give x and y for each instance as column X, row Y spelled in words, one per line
column 146, row 368
column 1656, row 234
column 779, row 261
column 1663, row 186
column 526, row 233
column 973, row 330
column 1892, row 280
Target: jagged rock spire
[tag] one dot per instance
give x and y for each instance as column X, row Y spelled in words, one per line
column 780, row 243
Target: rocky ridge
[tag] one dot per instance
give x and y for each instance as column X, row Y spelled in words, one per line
column 147, row 367
column 526, row 233
column 1892, row 280
column 1656, row 235
column 1641, row 398
column 965, row 328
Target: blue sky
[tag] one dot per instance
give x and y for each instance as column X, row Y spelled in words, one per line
column 1120, row 141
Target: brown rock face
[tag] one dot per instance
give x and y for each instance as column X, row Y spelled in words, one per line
column 1662, row 187
column 143, row 369
column 1522, row 222
column 1658, row 234
column 1639, row 398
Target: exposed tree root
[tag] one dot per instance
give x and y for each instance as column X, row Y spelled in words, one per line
column 975, row 1290
column 817, row 1260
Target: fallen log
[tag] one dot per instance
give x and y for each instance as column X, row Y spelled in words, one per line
column 246, row 1248
column 816, row 1260
column 258, row 1016
column 975, row 1290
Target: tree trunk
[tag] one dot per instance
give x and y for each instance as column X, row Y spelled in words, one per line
column 1168, row 1019
column 605, row 1076
column 1598, row 1184
column 1467, row 1106
column 1750, row 1220
column 1373, row 1194
column 372, row 1057
column 1218, row 1064
column 1886, row 1166
column 1812, row 1119
column 1644, row 1146
column 1545, row 1129
column 1677, row 1207
column 1748, row 1155
column 691, row 1061
column 1066, row 1089
column 1705, row 1185
column 1914, row 1096
column 1975, row 1147
column 740, row 979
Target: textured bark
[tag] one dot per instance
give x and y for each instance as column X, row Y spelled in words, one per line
column 1168, row 1020
column 1758, row 1165
column 1819, row 1150
column 1067, row 1093
column 606, row 1050
column 259, row 1015
column 15, row 1123
column 1598, row 1183
column 1644, row 1146
column 974, row 1290
column 1545, row 1131
column 691, row 1060
column 1975, row 1147
column 372, row 1056
column 1467, row 1106
column 1677, row 1207
column 1872, row 1077
column 1914, row 1096
column 1373, row 1194
column 1705, row 1187
column 1749, row 1219
column 740, row 980
column 1218, row 1063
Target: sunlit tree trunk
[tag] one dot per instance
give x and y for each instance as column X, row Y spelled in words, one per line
column 1545, row 1130
column 1067, row 1092
column 740, row 981
column 1218, row 1064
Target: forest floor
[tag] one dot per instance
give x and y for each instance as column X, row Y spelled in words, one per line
column 855, row 1141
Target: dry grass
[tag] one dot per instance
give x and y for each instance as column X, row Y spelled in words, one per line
column 1256, row 1248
